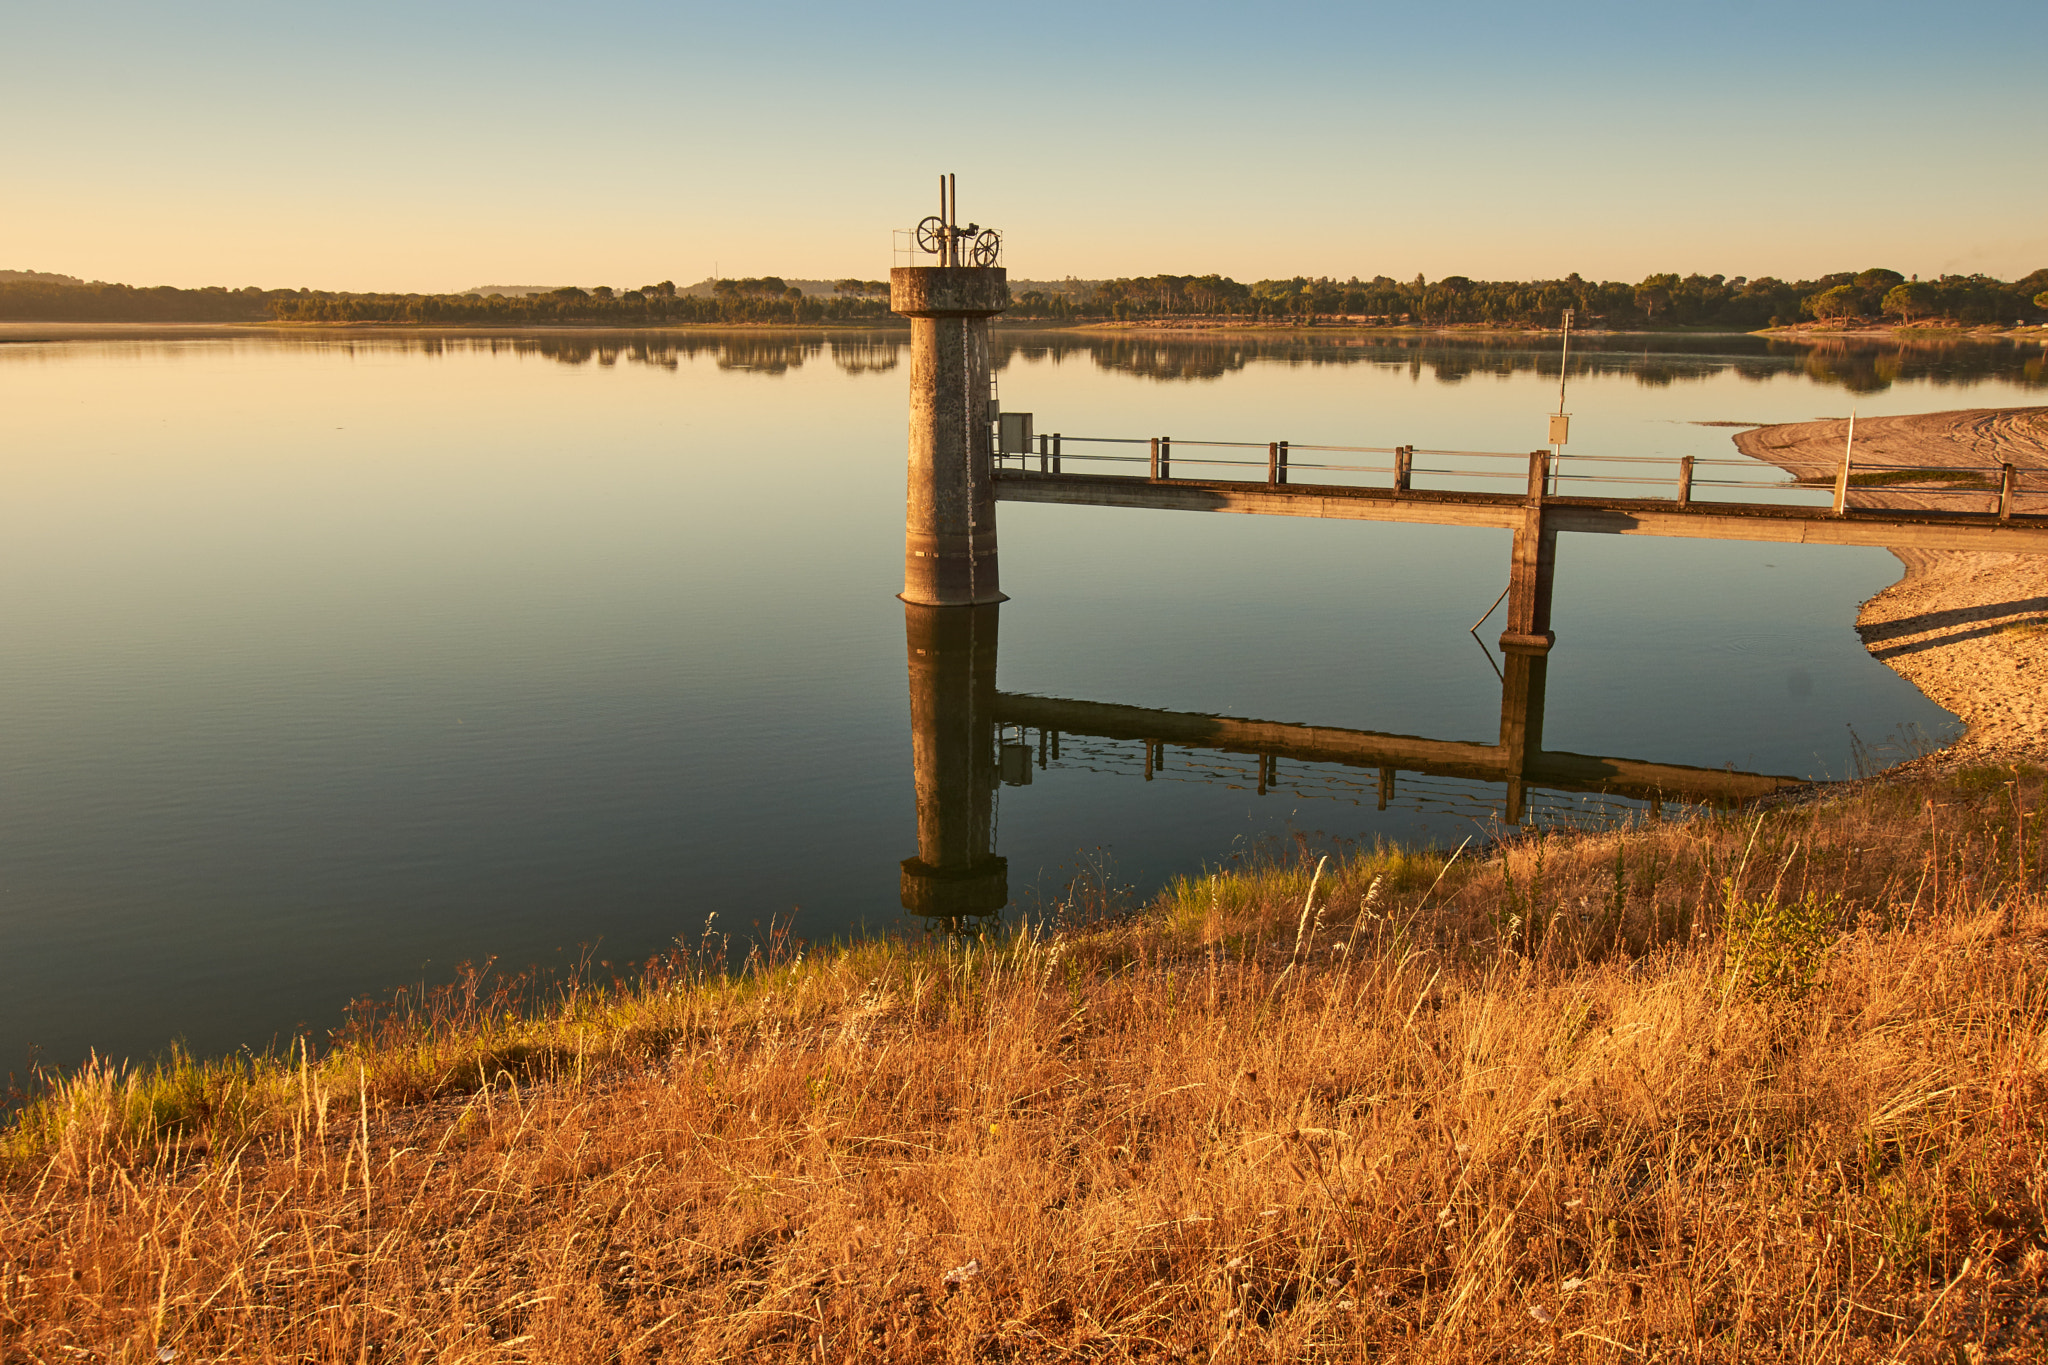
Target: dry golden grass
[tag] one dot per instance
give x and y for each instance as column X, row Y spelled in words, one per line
column 1768, row 1088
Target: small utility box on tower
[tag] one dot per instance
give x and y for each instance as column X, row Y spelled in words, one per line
column 1013, row 433
column 1560, row 428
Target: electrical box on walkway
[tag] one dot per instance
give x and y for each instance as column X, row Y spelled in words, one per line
column 1013, row 433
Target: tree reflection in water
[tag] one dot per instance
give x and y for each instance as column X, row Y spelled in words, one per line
column 1654, row 361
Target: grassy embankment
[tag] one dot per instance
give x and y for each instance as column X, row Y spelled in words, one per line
column 1763, row 1087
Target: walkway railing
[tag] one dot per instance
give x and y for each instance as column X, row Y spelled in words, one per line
column 1682, row 479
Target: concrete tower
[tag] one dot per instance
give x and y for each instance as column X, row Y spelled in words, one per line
column 949, row 518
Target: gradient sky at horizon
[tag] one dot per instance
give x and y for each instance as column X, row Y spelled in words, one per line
column 438, row 146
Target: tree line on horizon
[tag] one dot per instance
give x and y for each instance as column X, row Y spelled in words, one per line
column 766, row 299
column 1657, row 302
column 761, row 300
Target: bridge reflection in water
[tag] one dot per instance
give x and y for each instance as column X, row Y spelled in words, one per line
column 958, row 720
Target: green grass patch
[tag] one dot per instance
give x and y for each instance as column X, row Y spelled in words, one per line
column 1990, row 778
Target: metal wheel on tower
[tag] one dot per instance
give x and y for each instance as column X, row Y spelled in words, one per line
column 988, row 247
column 931, row 236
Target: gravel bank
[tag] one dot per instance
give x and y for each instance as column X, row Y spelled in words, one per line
column 1969, row 630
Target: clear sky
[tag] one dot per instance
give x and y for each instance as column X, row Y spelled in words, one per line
column 434, row 146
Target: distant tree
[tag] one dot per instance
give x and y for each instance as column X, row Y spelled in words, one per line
column 1912, row 300
column 1655, row 294
column 2041, row 299
column 602, row 291
column 855, row 287
column 1879, row 280
column 1832, row 304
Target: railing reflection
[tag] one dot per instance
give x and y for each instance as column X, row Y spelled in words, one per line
column 957, row 717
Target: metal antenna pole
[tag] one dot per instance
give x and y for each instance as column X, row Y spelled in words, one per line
column 1564, row 359
column 1560, row 424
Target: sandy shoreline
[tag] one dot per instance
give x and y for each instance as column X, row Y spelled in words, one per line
column 1968, row 630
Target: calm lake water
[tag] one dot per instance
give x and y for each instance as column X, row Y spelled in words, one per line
column 333, row 660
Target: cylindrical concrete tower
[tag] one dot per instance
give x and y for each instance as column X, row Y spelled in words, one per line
column 956, row 872
column 949, row 520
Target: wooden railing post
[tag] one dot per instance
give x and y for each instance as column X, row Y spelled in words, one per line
column 2008, row 490
column 1044, row 453
column 1685, row 482
column 1272, row 476
column 1539, row 475
column 1166, row 457
column 1404, row 468
column 1055, row 452
column 1155, row 474
column 1283, row 463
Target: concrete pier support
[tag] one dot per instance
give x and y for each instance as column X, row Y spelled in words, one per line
column 952, row 655
column 1531, row 568
column 1521, row 720
column 949, row 520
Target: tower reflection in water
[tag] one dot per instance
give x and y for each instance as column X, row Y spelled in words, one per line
column 956, row 877
column 957, row 880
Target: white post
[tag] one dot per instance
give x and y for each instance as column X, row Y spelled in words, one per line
column 1842, row 476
